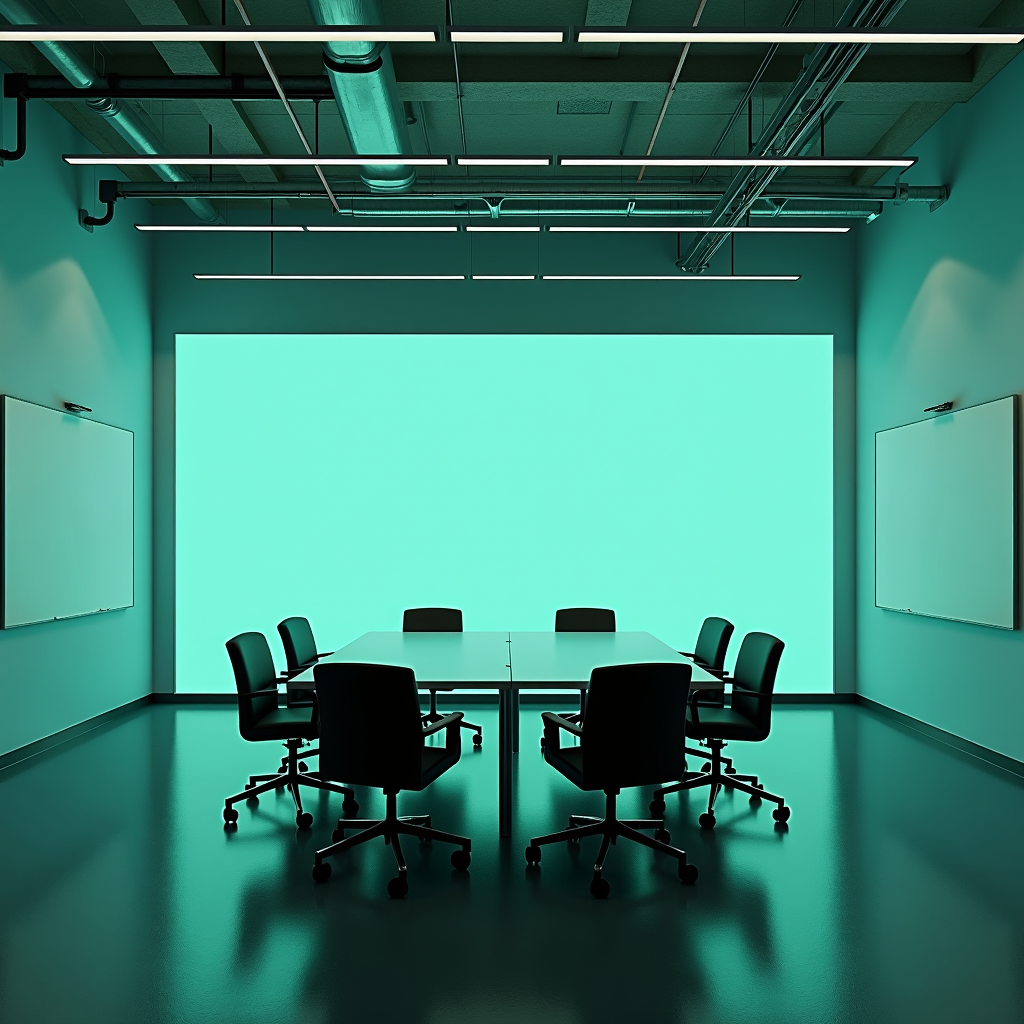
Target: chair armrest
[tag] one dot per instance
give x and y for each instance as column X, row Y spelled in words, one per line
column 552, row 723
column 259, row 693
column 324, row 654
column 445, row 723
column 694, row 704
column 686, row 654
column 743, row 692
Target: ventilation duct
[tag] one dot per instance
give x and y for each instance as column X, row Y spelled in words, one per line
column 130, row 125
column 362, row 78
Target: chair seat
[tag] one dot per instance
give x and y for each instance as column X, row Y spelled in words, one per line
column 569, row 761
column 436, row 761
column 284, row 724
column 722, row 724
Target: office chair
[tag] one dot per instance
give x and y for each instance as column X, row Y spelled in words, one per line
column 634, row 730
column 300, row 654
column 260, row 719
column 356, row 701
column 709, row 653
column 749, row 719
column 582, row 620
column 438, row 620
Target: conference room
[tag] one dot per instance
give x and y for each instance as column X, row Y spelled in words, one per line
column 510, row 514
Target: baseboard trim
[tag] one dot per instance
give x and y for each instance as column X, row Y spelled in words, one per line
column 19, row 754
column 948, row 739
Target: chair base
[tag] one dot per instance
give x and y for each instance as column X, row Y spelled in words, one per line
column 432, row 716
column 719, row 779
column 611, row 828
column 390, row 828
column 291, row 779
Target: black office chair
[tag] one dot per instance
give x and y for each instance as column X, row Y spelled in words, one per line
column 438, row 620
column 260, row 719
column 356, row 702
column 583, row 620
column 709, row 653
column 634, row 731
column 300, row 654
column 749, row 718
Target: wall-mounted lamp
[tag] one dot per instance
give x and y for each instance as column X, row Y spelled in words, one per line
column 941, row 407
column 75, row 407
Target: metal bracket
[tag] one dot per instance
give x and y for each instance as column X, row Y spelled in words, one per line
column 108, row 195
column 16, row 87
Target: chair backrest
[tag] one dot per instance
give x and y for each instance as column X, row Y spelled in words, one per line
column 299, row 645
column 585, row 620
column 713, row 642
column 253, row 666
column 370, row 729
column 432, row 620
column 635, row 726
column 756, row 667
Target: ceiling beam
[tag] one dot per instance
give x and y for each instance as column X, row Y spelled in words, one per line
column 606, row 13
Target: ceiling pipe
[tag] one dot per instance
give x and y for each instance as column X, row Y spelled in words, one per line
column 125, row 121
column 362, row 78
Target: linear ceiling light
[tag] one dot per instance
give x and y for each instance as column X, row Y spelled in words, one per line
column 263, row 160
column 734, row 161
column 785, row 230
column 771, row 36
column 504, row 277
column 503, row 161
column 464, row 34
column 220, row 227
column 671, row 277
column 329, row 277
column 521, row 228
column 426, row 228
column 216, row 34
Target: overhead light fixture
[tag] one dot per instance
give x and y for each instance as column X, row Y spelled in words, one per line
column 671, row 277
column 258, row 228
column 503, row 161
column 689, row 228
column 464, row 34
column 261, row 160
column 504, row 277
column 735, row 161
column 771, row 36
column 329, row 277
column 372, row 228
column 510, row 228
column 217, row 34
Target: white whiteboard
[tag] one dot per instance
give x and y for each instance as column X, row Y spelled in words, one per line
column 945, row 516
column 68, row 515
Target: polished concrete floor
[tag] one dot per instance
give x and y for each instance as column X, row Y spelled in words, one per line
column 896, row 894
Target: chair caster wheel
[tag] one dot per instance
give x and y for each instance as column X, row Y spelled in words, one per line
column 337, row 835
column 477, row 739
column 533, row 855
column 460, row 860
column 398, row 887
column 657, row 807
column 303, row 767
column 230, row 815
column 687, row 872
column 755, row 799
column 252, row 799
column 349, row 807
column 706, row 766
column 599, row 888
column 781, row 814
column 663, row 836
column 706, row 820
column 543, row 742
column 321, row 871
column 303, row 819
column 730, row 770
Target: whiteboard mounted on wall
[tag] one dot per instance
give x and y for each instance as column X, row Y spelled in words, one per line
column 68, row 515
column 945, row 516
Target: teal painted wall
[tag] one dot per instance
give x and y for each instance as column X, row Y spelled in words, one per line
column 941, row 308
column 75, row 325
column 821, row 303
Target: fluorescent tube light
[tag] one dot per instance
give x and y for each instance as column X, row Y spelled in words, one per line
column 671, row 277
column 689, row 228
column 369, row 228
column 329, row 277
column 504, row 277
column 769, row 36
column 261, row 160
column 216, row 34
column 517, row 228
column 505, row 35
column 503, row 161
column 735, row 161
column 221, row 227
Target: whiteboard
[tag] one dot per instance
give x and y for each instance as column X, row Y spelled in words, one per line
column 68, row 515
column 945, row 516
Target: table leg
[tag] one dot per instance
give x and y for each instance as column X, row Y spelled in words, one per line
column 515, row 721
column 505, row 763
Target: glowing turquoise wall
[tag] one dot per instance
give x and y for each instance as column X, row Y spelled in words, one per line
column 941, row 308
column 74, row 324
column 348, row 477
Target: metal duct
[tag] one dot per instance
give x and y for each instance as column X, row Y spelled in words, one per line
column 126, row 122
column 362, row 78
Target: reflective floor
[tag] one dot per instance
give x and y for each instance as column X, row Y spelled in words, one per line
column 895, row 895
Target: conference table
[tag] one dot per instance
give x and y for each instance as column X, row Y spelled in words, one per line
column 508, row 662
